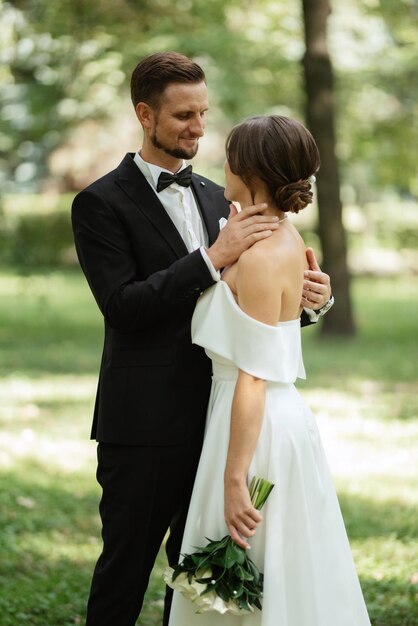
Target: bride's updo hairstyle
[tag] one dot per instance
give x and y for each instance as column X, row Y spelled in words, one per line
column 279, row 151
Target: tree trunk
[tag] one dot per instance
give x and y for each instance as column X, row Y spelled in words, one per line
column 320, row 120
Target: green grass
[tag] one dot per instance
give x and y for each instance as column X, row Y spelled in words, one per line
column 363, row 391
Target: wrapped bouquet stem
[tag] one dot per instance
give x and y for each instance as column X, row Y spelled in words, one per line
column 220, row 576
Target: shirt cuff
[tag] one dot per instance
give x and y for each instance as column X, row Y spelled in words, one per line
column 214, row 273
column 313, row 315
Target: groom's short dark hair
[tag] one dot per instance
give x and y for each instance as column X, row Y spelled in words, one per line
column 152, row 75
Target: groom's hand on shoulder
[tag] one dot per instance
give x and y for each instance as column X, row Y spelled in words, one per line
column 242, row 230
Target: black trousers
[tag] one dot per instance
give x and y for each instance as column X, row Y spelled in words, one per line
column 146, row 491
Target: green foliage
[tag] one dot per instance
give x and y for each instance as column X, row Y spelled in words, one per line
column 375, row 58
column 35, row 229
column 37, row 233
column 42, row 241
column 68, row 62
column 52, row 80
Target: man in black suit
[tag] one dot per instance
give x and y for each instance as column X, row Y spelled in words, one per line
column 147, row 237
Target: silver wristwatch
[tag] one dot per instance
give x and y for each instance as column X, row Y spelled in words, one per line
column 326, row 307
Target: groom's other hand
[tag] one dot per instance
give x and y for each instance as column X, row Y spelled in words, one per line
column 241, row 231
column 316, row 286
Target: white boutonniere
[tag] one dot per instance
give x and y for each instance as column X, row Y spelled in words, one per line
column 222, row 223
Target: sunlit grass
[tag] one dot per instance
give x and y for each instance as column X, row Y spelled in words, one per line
column 363, row 392
column 386, row 345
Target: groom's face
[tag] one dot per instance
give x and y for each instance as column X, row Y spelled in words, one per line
column 179, row 122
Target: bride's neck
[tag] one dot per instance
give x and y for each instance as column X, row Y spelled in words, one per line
column 260, row 197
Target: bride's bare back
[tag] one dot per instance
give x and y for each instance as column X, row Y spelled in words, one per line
column 267, row 279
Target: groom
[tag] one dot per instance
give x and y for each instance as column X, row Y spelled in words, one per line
column 147, row 237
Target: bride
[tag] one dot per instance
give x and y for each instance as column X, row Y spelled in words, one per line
column 257, row 423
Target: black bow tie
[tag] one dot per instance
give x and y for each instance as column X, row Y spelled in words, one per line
column 183, row 178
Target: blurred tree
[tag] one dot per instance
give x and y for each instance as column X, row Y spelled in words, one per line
column 375, row 52
column 320, row 119
column 68, row 61
column 64, row 63
column 50, row 82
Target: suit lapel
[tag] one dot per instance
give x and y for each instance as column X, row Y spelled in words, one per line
column 134, row 184
column 205, row 202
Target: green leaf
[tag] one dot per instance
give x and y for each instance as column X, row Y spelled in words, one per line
column 219, row 560
column 234, row 554
column 254, row 570
column 224, row 591
column 244, row 574
column 195, row 558
column 243, row 604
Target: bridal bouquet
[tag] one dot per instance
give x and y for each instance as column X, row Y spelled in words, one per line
column 220, row 576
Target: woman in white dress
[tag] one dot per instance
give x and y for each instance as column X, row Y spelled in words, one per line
column 257, row 423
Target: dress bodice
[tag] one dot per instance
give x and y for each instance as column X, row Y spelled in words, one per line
column 234, row 340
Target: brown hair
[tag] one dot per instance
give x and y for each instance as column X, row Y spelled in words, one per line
column 152, row 75
column 279, row 151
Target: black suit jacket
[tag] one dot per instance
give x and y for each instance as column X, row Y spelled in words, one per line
column 154, row 384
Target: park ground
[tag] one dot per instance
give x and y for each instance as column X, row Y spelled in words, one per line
column 363, row 391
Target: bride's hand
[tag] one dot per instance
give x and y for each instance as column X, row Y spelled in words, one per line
column 241, row 517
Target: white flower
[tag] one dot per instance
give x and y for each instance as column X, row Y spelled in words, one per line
column 191, row 590
column 168, row 576
column 234, row 609
column 210, row 602
column 204, row 603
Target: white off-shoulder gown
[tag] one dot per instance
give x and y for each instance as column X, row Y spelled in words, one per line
column 301, row 545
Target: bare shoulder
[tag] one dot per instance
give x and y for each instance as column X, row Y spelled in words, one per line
column 260, row 258
column 257, row 284
column 278, row 252
column 269, row 276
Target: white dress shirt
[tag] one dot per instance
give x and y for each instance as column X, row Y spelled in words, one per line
column 181, row 207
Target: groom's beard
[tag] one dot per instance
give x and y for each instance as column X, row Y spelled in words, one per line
column 175, row 151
